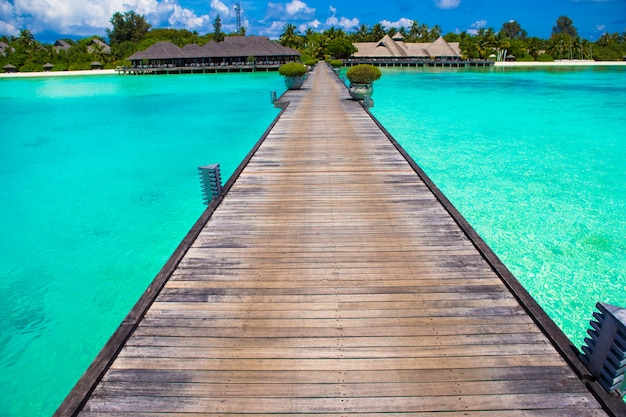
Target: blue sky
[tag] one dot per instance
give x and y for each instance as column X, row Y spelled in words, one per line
column 52, row 19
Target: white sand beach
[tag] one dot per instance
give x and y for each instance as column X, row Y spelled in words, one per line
column 562, row 63
column 57, row 73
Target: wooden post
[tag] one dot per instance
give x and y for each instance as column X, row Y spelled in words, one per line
column 605, row 350
column 211, row 182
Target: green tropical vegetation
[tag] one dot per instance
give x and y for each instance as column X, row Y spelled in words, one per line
column 292, row 69
column 363, row 74
column 131, row 33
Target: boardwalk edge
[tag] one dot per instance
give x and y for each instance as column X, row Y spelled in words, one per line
column 612, row 404
column 80, row 393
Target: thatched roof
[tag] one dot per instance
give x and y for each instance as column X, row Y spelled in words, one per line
column 193, row 50
column 105, row 48
column 3, row 48
column 232, row 46
column 160, row 50
column 61, row 44
column 397, row 48
column 441, row 48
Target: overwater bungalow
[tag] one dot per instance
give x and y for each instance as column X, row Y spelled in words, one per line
column 392, row 51
column 235, row 51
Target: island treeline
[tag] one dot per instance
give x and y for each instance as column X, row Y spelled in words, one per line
column 131, row 33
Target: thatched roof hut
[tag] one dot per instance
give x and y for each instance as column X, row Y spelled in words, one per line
column 396, row 48
column 233, row 50
column 47, row 66
column 61, row 45
column 95, row 65
column 97, row 43
column 4, row 48
column 9, row 68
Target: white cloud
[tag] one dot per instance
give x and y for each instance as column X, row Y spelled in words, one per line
column 294, row 10
column 447, row 4
column 348, row 24
column 343, row 22
column 274, row 30
column 398, row 24
column 220, row 8
column 180, row 17
column 601, row 28
column 297, row 7
column 92, row 17
column 474, row 27
column 312, row 24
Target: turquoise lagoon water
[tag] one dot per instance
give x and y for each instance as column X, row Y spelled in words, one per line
column 99, row 184
column 535, row 160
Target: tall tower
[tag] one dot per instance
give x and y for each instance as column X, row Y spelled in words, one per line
column 238, row 14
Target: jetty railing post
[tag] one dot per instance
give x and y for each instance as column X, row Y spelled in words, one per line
column 368, row 103
column 211, row 182
column 605, row 349
column 273, row 96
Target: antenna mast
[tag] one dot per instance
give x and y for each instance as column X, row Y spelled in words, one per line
column 238, row 14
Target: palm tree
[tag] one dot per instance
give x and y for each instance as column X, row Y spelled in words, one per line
column 434, row 33
column 361, row 33
column 534, row 45
column 377, row 32
column 26, row 39
column 414, row 31
column 98, row 53
column 309, row 35
column 289, row 37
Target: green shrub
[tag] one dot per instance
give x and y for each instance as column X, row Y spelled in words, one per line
column 292, row 69
column 526, row 58
column 544, row 58
column 363, row 74
column 31, row 67
column 336, row 63
column 311, row 62
column 606, row 53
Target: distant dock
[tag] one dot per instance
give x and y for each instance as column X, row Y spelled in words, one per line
column 416, row 63
column 333, row 278
column 195, row 69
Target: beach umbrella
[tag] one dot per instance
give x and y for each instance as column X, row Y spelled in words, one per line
column 9, row 68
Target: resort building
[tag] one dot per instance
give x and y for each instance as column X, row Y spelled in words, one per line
column 61, row 45
column 4, row 48
column 233, row 51
column 97, row 44
column 394, row 48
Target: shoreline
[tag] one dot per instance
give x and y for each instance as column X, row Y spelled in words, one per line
column 57, row 73
column 563, row 63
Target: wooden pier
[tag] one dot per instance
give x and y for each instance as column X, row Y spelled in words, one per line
column 334, row 279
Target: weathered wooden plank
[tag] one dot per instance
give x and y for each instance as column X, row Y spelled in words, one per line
column 343, row 404
column 331, row 280
column 449, row 375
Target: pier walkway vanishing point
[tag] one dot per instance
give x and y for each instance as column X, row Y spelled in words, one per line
column 333, row 279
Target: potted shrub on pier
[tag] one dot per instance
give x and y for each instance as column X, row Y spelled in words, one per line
column 362, row 78
column 294, row 73
column 336, row 65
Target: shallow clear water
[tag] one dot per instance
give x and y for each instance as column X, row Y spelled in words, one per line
column 99, row 184
column 535, row 160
